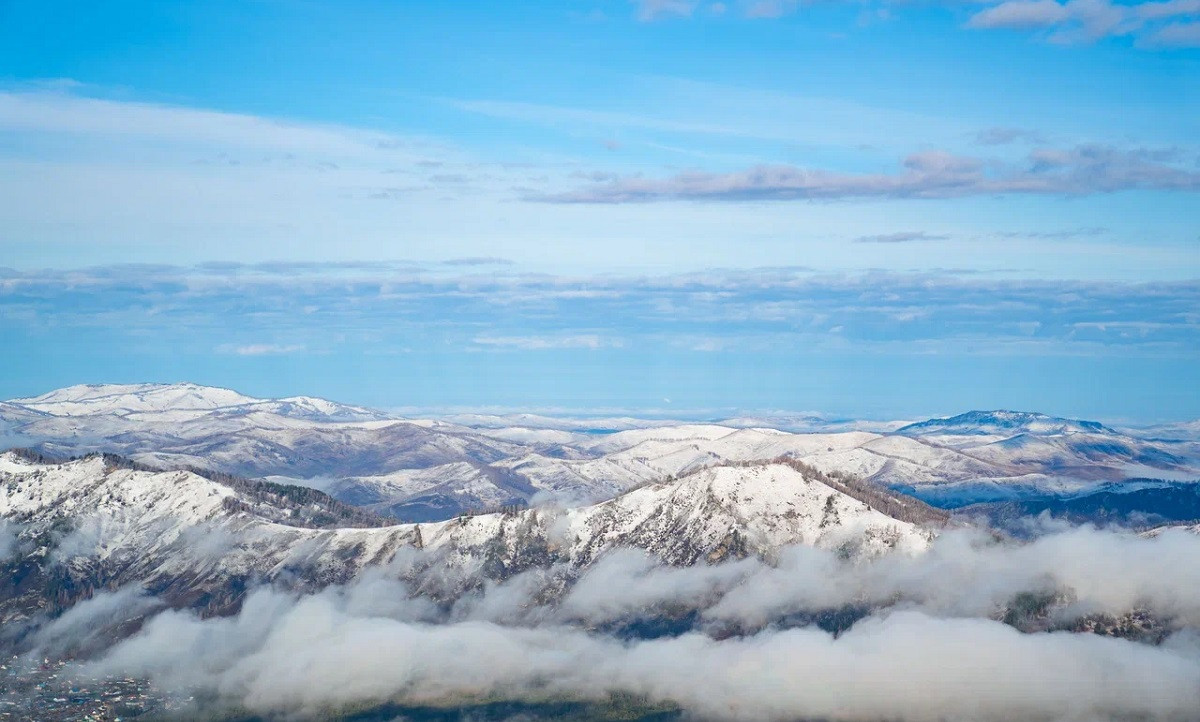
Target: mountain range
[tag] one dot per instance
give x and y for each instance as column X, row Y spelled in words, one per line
column 152, row 527
column 432, row 469
column 194, row 539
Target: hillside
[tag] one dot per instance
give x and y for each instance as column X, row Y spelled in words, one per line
column 197, row 539
column 419, row 470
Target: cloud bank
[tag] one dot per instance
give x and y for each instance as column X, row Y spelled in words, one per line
column 1081, row 170
column 927, row 644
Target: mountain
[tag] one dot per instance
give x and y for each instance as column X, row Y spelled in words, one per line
column 1002, row 423
column 1136, row 503
column 431, row 469
column 96, row 399
column 197, row 540
column 177, row 399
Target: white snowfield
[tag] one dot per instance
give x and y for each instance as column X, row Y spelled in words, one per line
column 160, row 527
column 420, row 469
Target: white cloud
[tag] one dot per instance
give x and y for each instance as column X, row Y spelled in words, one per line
column 927, row 649
column 1020, row 14
column 546, row 343
column 1089, row 20
column 657, row 9
column 262, row 349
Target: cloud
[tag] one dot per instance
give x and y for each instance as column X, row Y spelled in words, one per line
column 262, row 349
column 545, row 343
column 1176, row 35
column 920, row 639
column 648, row 10
column 9, row 542
column 1081, row 170
column 478, row 261
column 1081, row 232
column 388, row 307
column 1004, row 136
column 901, row 237
column 1090, row 20
column 1020, row 14
column 1062, row 22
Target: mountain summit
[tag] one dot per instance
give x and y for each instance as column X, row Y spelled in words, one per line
column 1003, row 423
column 154, row 398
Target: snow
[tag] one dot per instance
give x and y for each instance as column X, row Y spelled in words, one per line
column 116, row 398
column 170, row 524
column 362, row 452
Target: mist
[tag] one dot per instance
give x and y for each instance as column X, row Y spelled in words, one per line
column 931, row 636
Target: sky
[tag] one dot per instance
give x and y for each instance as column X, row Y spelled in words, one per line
column 879, row 209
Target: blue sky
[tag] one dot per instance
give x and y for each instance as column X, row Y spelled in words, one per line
column 863, row 208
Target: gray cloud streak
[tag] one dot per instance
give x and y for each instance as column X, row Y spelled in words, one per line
column 901, row 237
column 1082, row 170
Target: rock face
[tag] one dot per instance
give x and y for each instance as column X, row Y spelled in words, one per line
column 198, row 540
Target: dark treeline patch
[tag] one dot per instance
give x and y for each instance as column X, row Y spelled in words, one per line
column 1136, row 504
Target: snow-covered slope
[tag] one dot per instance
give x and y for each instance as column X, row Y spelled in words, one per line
column 147, row 400
column 421, row 470
column 94, row 399
column 1002, row 423
column 194, row 539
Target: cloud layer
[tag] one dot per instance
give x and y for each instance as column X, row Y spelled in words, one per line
column 272, row 309
column 1081, row 170
column 1155, row 23
column 926, row 645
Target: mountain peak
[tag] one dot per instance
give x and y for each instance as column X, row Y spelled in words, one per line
column 93, row 399
column 1003, row 422
column 124, row 399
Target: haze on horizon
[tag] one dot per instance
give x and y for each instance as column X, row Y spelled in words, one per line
column 870, row 209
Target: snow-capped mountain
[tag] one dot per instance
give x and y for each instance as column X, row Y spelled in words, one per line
column 1002, row 423
column 96, row 399
column 423, row 470
column 177, row 399
column 195, row 540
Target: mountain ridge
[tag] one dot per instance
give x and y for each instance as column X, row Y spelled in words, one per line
column 425, row 470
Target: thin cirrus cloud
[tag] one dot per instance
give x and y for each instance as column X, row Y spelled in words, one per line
column 648, row 10
column 1081, row 170
column 1090, row 20
column 261, row 349
column 901, row 237
column 1155, row 24
column 588, row 341
column 1004, row 136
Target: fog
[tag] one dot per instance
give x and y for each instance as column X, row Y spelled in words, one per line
column 8, row 539
column 926, row 642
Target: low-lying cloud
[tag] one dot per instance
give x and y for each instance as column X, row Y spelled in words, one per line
column 928, row 643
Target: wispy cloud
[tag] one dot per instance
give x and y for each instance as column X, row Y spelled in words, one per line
column 478, row 261
column 261, row 349
column 1081, row 232
column 1070, row 21
column 1004, row 136
column 380, row 310
column 588, row 341
column 1080, row 170
column 901, row 237
column 657, row 9
column 1090, row 20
